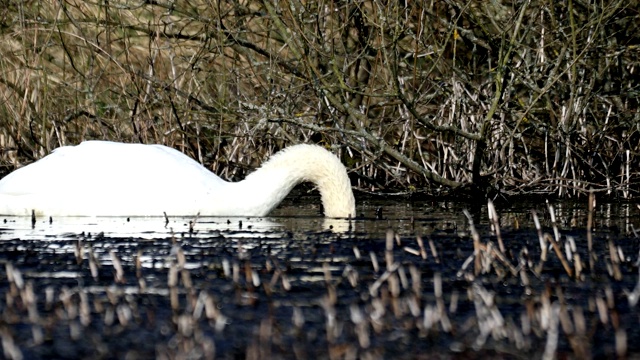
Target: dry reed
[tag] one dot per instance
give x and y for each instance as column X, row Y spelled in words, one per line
column 413, row 96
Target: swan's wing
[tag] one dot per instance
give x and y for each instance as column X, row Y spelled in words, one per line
column 39, row 175
column 99, row 167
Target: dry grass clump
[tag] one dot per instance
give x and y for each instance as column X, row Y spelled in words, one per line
column 515, row 97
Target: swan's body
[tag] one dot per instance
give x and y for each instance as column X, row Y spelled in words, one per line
column 100, row 178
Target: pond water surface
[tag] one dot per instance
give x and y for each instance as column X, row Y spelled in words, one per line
column 404, row 280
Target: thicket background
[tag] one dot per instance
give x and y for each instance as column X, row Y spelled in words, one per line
column 517, row 97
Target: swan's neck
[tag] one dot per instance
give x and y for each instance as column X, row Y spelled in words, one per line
column 265, row 188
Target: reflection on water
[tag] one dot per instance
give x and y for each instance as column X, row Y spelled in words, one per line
column 134, row 227
column 375, row 216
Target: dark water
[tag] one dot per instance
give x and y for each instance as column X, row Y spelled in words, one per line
column 297, row 286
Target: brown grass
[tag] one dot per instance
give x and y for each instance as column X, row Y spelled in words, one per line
column 506, row 97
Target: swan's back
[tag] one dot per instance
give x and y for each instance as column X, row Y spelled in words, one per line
column 96, row 167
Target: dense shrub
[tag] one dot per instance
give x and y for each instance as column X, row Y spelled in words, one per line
column 511, row 96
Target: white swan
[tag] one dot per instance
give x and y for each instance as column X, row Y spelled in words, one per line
column 101, row 178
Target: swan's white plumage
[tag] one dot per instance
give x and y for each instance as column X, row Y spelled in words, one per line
column 100, row 178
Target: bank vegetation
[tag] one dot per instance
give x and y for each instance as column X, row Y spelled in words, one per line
column 453, row 96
